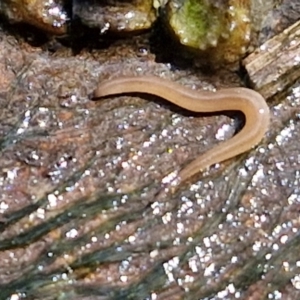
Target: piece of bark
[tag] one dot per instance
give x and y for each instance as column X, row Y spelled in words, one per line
column 274, row 66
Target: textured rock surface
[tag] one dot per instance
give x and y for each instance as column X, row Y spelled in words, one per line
column 78, row 214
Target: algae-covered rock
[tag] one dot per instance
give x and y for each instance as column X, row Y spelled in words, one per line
column 219, row 30
column 216, row 32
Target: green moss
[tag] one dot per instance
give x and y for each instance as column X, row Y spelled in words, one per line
column 198, row 23
column 219, row 28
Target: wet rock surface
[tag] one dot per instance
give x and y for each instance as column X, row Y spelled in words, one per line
column 115, row 16
column 79, row 215
column 50, row 16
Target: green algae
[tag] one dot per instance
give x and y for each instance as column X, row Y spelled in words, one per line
column 220, row 30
